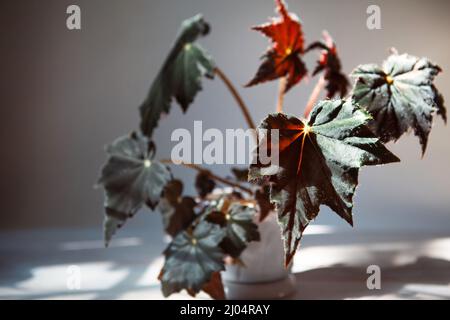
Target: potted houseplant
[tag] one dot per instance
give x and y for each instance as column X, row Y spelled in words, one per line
column 318, row 155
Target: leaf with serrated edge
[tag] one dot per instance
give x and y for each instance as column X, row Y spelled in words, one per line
column 400, row 96
column 319, row 162
column 192, row 258
column 238, row 221
column 180, row 76
column 282, row 59
column 131, row 178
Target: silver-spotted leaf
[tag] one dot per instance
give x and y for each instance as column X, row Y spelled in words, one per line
column 400, row 95
column 131, row 178
column 319, row 162
column 192, row 258
column 180, row 76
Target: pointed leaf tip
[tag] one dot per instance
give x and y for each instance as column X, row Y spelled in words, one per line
column 283, row 57
column 180, row 76
column 400, row 95
column 130, row 180
column 318, row 166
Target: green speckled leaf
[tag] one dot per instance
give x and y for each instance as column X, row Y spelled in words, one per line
column 400, row 95
column 319, row 164
column 131, row 179
column 192, row 258
column 180, row 76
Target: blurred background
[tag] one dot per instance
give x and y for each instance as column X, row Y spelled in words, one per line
column 67, row 93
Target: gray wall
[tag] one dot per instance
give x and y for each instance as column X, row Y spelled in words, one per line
column 67, row 93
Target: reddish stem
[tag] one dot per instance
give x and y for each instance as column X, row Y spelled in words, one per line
column 210, row 174
column 281, row 92
column 314, row 96
column 237, row 97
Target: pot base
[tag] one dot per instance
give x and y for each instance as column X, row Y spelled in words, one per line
column 260, row 291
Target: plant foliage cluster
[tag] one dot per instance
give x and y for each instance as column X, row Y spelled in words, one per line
column 320, row 154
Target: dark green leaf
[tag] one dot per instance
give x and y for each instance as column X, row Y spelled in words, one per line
column 177, row 211
column 113, row 220
column 237, row 219
column 130, row 178
column 319, row 162
column 400, row 96
column 204, row 184
column 180, row 76
column 192, row 258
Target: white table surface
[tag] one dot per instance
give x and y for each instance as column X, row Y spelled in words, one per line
column 331, row 264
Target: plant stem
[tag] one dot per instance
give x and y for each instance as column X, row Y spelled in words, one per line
column 211, row 175
column 281, row 91
column 314, row 96
column 237, row 97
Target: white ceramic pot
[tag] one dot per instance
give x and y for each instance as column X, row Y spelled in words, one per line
column 264, row 275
